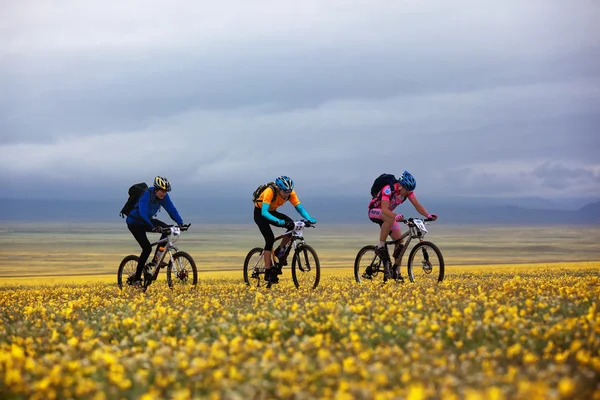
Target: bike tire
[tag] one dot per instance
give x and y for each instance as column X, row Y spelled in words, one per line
column 182, row 276
column 368, row 253
column 301, row 267
column 412, row 269
column 249, row 265
column 125, row 267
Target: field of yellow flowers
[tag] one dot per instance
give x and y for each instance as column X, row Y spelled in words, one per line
column 519, row 332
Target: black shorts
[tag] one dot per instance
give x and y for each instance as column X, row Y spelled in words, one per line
column 265, row 228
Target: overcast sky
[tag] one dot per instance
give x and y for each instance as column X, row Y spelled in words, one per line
column 486, row 98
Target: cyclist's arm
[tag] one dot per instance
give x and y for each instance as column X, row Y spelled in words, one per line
column 420, row 209
column 385, row 209
column 143, row 205
column 386, row 193
column 302, row 211
column 266, row 203
column 295, row 201
column 299, row 207
column 171, row 210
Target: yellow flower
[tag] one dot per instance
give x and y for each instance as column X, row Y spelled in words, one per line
column 566, row 387
column 416, row 392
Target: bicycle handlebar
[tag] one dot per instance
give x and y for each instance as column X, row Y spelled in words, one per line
column 410, row 220
column 167, row 229
column 306, row 223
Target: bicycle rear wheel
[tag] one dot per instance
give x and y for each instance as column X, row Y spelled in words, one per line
column 425, row 263
column 368, row 266
column 306, row 270
column 182, row 270
column 126, row 271
column 254, row 268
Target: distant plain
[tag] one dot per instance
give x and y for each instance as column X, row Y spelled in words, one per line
column 70, row 249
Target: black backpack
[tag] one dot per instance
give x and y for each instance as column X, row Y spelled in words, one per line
column 380, row 182
column 135, row 192
column 261, row 189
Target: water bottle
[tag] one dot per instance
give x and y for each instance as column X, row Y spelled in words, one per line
column 160, row 252
column 280, row 253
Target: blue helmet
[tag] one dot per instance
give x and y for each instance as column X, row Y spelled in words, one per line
column 284, row 183
column 407, row 181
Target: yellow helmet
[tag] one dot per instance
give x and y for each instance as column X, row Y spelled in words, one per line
column 162, row 183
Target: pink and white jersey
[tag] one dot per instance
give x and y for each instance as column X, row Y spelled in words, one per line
column 390, row 194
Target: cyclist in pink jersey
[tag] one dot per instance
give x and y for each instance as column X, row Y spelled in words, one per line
column 381, row 212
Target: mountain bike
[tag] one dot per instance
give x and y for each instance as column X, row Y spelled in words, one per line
column 181, row 268
column 306, row 270
column 425, row 260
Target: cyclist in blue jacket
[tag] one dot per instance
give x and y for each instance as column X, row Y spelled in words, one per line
column 141, row 219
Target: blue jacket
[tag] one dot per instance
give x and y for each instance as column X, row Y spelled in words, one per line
column 148, row 206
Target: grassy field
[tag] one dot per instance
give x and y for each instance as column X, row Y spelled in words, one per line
column 517, row 317
column 78, row 249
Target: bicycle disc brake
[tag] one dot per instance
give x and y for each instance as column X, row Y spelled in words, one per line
column 427, row 267
column 182, row 275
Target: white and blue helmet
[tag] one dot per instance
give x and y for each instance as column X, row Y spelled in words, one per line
column 284, row 183
column 407, row 181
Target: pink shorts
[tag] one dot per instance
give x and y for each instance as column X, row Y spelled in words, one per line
column 375, row 216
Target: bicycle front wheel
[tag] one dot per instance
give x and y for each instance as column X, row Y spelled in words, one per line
column 425, row 263
column 306, row 270
column 182, row 270
column 126, row 271
column 254, row 268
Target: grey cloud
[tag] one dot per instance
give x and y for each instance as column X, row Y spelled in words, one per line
column 506, row 179
column 558, row 176
column 345, row 144
column 329, row 95
column 92, row 86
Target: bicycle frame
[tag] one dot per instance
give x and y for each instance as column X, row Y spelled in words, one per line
column 297, row 238
column 376, row 260
column 177, row 265
column 414, row 232
column 170, row 248
column 304, row 266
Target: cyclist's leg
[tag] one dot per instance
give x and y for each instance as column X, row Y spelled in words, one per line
column 139, row 233
column 282, row 257
column 265, row 229
column 386, row 223
column 284, row 217
column 396, row 234
column 375, row 218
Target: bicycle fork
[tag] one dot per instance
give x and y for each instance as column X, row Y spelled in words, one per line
column 151, row 275
column 426, row 264
column 306, row 267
